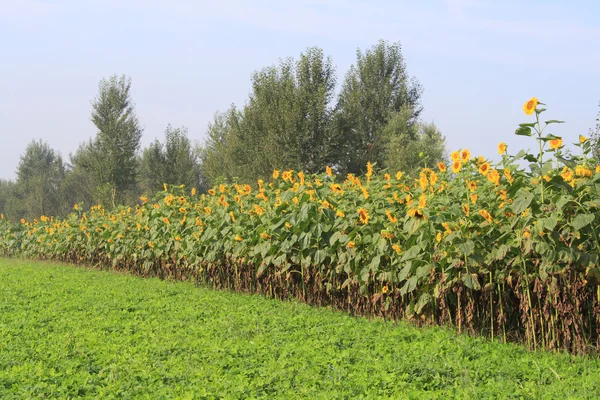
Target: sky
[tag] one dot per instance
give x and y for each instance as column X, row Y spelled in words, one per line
column 478, row 62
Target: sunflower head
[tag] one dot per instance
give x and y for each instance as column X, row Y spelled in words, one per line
column 441, row 167
column 502, row 148
column 484, row 168
column 363, row 216
column 530, row 106
column 556, row 144
column 456, row 165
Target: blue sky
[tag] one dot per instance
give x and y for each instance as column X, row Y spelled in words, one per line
column 478, row 61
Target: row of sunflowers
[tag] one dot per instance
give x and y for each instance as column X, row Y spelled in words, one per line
column 498, row 249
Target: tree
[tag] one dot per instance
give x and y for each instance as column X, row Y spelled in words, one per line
column 222, row 155
column 285, row 124
column 412, row 147
column 373, row 91
column 595, row 137
column 40, row 175
column 10, row 204
column 111, row 157
column 174, row 163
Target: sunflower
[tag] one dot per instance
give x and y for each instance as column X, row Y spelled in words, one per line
column 485, row 214
column 422, row 201
column 502, row 148
column 582, row 139
column 441, row 167
column 369, row 173
column 530, row 106
column 474, row 198
column 340, row 214
column 335, row 188
column 384, row 289
column 166, row 220
column 351, row 245
column 456, row 166
column 423, row 181
column 275, row 173
column 446, row 228
column 328, row 171
column 494, row 177
column 432, row 178
column 556, row 143
column 465, row 155
column 484, row 168
column 265, row 235
column 416, row 213
column 232, row 216
column 397, row 248
column 212, row 192
column 399, row 175
column 238, row 238
column 363, row 215
column 387, row 235
column 508, row 175
column 391, row 217
column 455, row 155
column 465, row 208
column 583, row 171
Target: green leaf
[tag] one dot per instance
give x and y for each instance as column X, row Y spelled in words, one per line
column 582, row 220
column 530, row 158
column 528, row 124
column 522, row 201
column 409, row 286
column 424, row 270
column 466, row 248
column 471, row 281
column 424, row 300
column 554, row 121
column 523, row 131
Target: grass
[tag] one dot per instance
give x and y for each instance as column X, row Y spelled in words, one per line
column 76, row 332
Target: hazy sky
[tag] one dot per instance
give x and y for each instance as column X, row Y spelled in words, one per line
column 478, row 61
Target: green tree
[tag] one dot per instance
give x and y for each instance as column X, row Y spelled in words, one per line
column 595, row 137
column 412, row 146
column 111, row 157
column 222, row 155
column 40, row 175
column 374, row 89
column 10, row 204
column 285, row 124
column 173, row 162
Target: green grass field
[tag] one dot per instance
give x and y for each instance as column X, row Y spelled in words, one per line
column 75, row 332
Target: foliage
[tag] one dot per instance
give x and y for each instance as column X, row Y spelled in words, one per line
column 287, row 122
column 595, row 137
column 78, row 333
column 373, row 92
column 291, row 121
column 411, row 147
column 111, row 157
column 38, row 188
column 173, row 162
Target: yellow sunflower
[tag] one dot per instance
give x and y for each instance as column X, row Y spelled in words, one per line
column 530, row 106
column 556, row 144
column 502, row 148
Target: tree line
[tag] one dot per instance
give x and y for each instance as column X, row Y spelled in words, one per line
column 296, row 117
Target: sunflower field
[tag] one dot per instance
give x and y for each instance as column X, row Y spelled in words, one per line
column 508, row 249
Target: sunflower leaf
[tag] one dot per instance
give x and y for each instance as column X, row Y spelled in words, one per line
column 523, row 131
